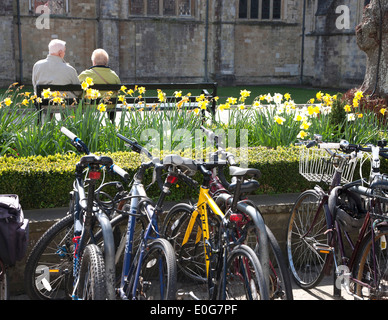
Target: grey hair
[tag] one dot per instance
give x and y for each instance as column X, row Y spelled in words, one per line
column 100, row 57
column 56, row 45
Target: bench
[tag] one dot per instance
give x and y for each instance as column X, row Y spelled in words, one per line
column 208, row 89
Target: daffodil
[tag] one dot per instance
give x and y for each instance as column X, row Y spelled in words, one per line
column 130, row 92
column 121, row 98
column 319, row 95
column 101, row 107
column 279, row 120
column 351, row 117
column 178, row 94
column 302, row 135
column 89, row 81
column 203, row 104
column 142, row 90
column 123, row 88
column 46, row 93
column 7, row 101
column 84, row 85
column 241, row 106
column 231, row 100
column 287, row 96
column 305, row 125
column 383, row 110
column 358, row 95
column 348, row 108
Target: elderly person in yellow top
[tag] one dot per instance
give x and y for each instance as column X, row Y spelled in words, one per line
column 54, row 69
column 101, row 73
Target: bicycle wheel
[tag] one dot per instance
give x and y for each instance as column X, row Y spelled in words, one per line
column 48, row 273
column 92, row 284
column 158, row 273
column 243, row 276
column 371, row 266
column 306, row 231
column 191, row 260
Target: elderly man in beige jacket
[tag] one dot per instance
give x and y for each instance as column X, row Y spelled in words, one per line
column 53, row 69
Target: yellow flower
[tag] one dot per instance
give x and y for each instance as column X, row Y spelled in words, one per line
column 7, row 101
column 348, row 108
column 241, row 106
column 279, row 120
column 161, row 96
column 360, row 115
column 383, row 110
column 298, row 117
column 101, row 107
column 244, row 93
column 89, row 81
column 178, row 94
column 25, row 102
column 121, row 98
column 287, row 96
column 84, row 85
column 200, row 98
column 39, row 100
column 312, row 100
column 319, row 95
column 196, row 110
column 305, row 125
column 358, row 95
column 302, row 134
column 356, row 103
column 27, row 94
column 313, row 110
column 202, row 104
column 130, row 92
column 123, row 88
column 46, row 93
column 142, row 90
column 231, row 100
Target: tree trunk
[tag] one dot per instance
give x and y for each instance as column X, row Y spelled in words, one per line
column 372, row 38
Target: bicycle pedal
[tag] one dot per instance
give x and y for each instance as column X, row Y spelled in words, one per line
column 323, row 248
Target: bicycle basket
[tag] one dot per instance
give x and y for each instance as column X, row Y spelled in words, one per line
column 319, row 166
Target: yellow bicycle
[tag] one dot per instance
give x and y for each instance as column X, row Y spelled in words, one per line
column 203, row 245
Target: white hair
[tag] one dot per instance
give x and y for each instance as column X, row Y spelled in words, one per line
column 100, row 57
column 56, row 45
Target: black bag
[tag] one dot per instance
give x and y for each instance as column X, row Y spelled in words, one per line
column 14, row 230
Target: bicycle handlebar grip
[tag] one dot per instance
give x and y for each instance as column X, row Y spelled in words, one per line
column 121, row 172
column 68, row 133
column 231, row 160
column 210, row 134
column 311, row 144
column 329, row 145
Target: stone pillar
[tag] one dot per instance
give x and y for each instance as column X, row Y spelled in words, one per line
column 108, row 36
column 368, row 40
column 8, row 44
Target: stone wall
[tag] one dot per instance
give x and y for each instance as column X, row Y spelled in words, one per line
column 152, row 49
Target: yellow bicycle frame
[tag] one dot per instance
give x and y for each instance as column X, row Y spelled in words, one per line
column 203, row 200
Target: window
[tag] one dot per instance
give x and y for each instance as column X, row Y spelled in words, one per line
column 260, row 9
column 168, row 8
column 58, row 7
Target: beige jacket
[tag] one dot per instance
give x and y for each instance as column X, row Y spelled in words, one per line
column 53, row 70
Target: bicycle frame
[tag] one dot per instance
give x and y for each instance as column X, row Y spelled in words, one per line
column 203, row 200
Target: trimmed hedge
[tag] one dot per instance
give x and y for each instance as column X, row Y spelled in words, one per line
column 45, row 182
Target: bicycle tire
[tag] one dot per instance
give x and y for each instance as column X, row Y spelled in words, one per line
column 191, row 260
column 48, row 272
column 158, row 273
column 307, row 265
column 244, row 277
column 363, row 266
column 92, row 283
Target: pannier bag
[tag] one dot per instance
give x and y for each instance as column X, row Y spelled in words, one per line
column 14, row 230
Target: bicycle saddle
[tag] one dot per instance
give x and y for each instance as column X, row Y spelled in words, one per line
column 241, row 172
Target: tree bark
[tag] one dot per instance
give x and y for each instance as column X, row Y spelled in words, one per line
column 372, row 38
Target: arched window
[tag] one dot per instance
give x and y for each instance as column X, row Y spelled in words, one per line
column 260, row 9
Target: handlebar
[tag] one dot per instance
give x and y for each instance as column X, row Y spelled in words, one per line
column 91, row 159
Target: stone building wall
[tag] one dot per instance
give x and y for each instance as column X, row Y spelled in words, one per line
column 170, row 49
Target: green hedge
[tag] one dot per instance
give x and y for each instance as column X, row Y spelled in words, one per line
column 44, row 182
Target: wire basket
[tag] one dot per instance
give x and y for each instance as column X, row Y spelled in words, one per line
column 319, row 166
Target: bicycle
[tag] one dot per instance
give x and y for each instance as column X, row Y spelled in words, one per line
column 201, row 237
column 66, row 262
column 4, row 292
column 320, row 220
column 149, row 267
column 248, row 225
